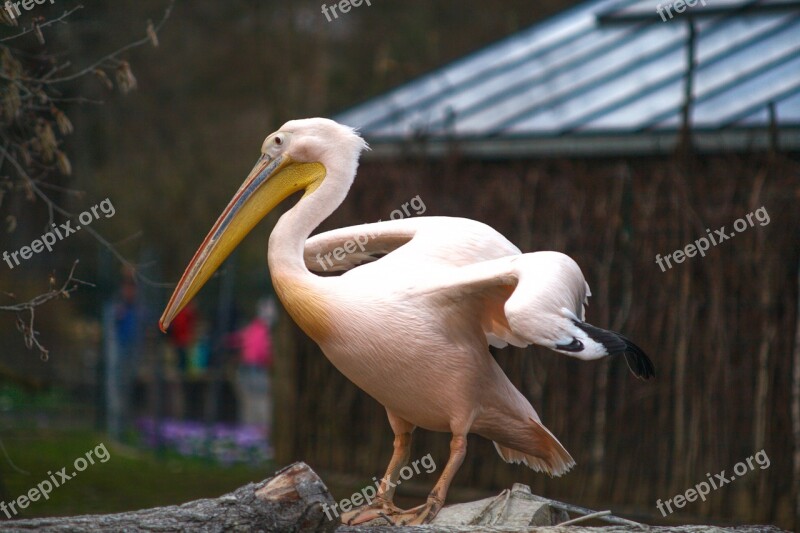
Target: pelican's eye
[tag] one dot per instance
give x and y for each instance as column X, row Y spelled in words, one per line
column 275, row 144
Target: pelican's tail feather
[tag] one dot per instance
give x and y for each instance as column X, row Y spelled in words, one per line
column 545, row 453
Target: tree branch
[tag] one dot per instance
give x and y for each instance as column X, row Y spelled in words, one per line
column 113, row 55
column 65, row 15
column 30, row 140
column 26, row 326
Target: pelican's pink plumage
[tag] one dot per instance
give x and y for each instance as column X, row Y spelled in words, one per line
column 413, row 327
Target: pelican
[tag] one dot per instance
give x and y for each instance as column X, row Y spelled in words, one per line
column 412, row 315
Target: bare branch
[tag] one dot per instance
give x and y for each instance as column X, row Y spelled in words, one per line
column 10, row 462
column 65, row 15
column 112, row 56
column 55, row 208
column 30, row 140
column 26, row 327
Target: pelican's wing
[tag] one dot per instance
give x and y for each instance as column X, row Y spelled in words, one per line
column 346, row 248
column 537, row 298
column 432, row 241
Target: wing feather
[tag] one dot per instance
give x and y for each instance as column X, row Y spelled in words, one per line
column 520, row 299
column 545, row 300
column 440, row 241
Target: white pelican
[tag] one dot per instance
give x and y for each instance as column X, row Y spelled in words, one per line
column 411, row 328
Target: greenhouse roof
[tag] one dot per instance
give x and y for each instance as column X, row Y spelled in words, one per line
column 607, row 77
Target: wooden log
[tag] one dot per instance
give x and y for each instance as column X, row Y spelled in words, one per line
column 560, row 529
column 291, row 500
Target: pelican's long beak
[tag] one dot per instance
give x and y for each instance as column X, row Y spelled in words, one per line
column 270, row 182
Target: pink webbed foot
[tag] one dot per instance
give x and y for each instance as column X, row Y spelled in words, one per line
column 379, row 508
column 418, row 516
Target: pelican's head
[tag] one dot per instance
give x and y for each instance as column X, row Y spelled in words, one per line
column 300, row 156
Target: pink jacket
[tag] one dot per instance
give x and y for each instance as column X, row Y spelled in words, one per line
column 256, row 344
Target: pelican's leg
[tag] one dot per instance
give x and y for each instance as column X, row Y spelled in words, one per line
column 426, row 512
column 383, row 504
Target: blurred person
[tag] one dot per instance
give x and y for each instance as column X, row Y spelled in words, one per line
column 182, row 337
column 253, row 381
column 123, row 325
column 200, row 351
column 182, row 334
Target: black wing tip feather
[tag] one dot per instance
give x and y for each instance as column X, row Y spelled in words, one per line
column 641, row 365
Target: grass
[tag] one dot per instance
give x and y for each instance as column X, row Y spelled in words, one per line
column 131, row 479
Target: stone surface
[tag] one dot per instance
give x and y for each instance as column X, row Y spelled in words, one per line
column 511, row 508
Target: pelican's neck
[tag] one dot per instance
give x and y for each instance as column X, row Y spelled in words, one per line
column 288, row 239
